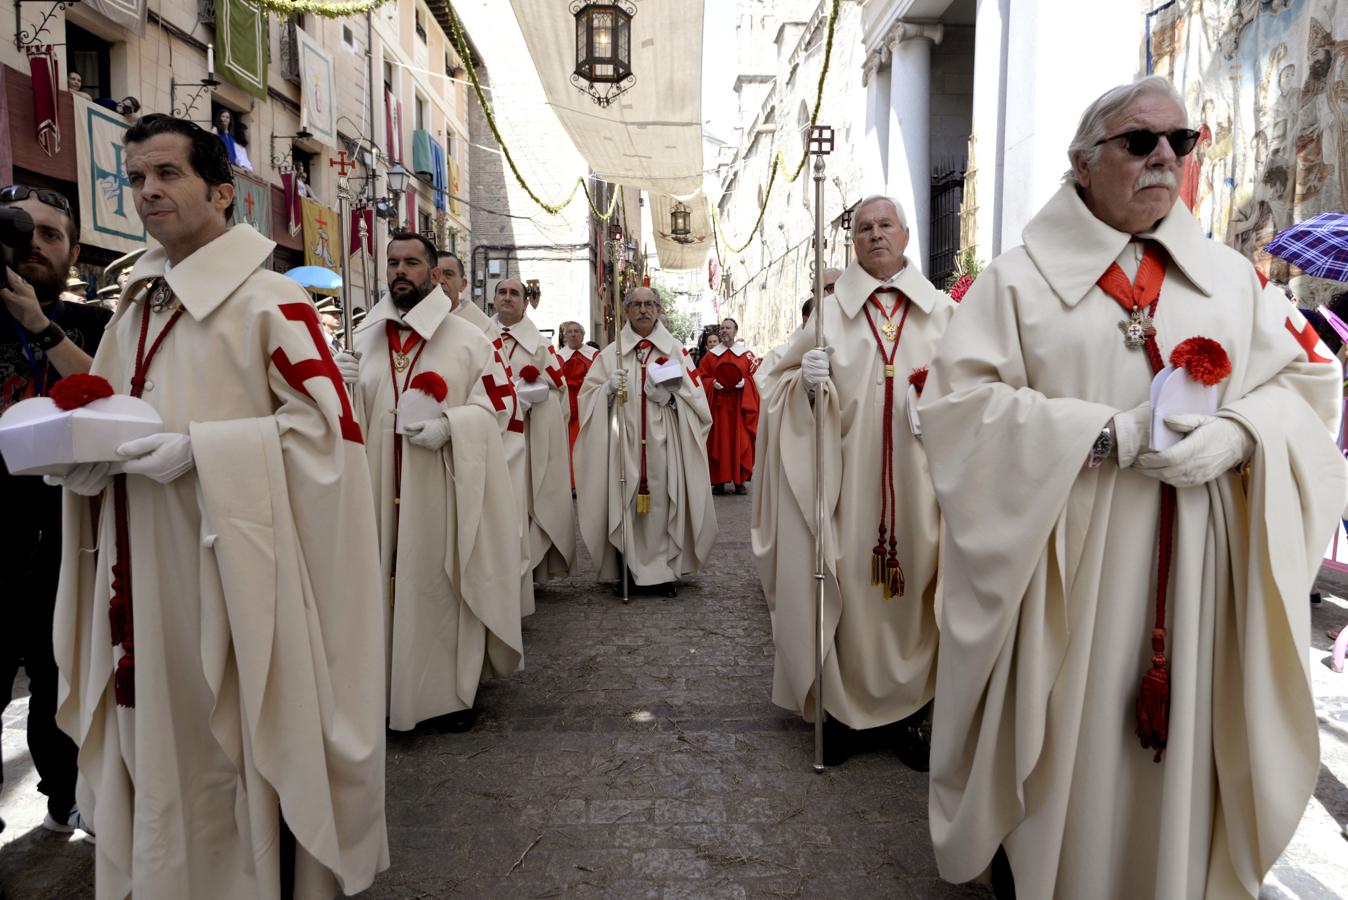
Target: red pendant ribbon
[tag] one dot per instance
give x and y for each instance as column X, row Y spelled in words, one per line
column 397, row 344
column 1153, row 700
column 885, row 567
column 121, row 620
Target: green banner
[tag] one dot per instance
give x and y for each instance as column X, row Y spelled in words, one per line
column 252, row 203
column 241, row 28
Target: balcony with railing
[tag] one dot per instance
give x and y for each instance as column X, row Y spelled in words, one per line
column 206, row 12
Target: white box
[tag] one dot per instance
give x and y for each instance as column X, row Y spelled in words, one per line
column 671, row 371
column 535, row 392
column 37, row 437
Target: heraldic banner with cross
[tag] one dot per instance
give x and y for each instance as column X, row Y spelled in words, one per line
column 107, row 215
column 320, row 235
column 252, row 203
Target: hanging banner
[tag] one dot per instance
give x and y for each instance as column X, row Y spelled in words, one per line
column 317, row 97
column 1265, row 90
column 42, row 66
column 107, row 215
column 454, row 186
column 683, row 251
column 252, row 203
column 357, row 217
column 241, row 29
column 393, row 128
column 128, row 14
column 320, row 235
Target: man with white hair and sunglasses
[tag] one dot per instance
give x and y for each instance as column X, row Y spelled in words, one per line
column 1123, row 705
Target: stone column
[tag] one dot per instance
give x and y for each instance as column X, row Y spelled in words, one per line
column 909, row 167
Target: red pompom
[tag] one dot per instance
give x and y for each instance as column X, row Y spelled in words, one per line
column 431, row 383
column 961, row 287
column 1204, row 360
column 529, row 374
column 75, row 391
column 918, row 379
column 661, row 360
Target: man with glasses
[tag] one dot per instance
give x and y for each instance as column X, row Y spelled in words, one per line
column 671, row 524
column 1123, row 706
column 219, row 620
column 43, row 340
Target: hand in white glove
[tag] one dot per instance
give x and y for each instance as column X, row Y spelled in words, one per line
column 349, row 365
column 429, row 435
column 161, row 457
column 657, row 394
column 814, row 366
column 85, row 479
column 716, row 384
column 525, row 405
column 617, row 380
column 1132, row 433
column 1212, row 446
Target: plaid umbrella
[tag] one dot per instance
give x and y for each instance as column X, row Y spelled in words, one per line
column 1317, row 246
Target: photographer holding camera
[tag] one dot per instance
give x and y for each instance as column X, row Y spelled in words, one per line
column 42, row 339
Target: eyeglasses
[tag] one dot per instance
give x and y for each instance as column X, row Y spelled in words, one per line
column 1140, row 142
column 17, row 192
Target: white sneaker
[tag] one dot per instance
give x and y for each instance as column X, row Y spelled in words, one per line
column 59, row 827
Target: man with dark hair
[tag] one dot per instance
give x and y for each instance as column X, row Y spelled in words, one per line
column 220, row 645
column 45, row 340
column 452, row 556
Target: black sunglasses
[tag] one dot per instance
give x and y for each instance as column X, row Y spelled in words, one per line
column 1141, row 142
column 16, row 192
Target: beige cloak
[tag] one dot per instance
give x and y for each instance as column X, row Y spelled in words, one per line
column 552, row 522
column 1049, row 571
column 256, row 602
column 676, row 536
column 515, row 450
column 880, row 656
column 456, row 611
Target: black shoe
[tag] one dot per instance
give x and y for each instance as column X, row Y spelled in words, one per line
column 1315, row 598
column 455, row 722
column 741, row 490
column 668, row 590
column 718, row 490
column 1003, row 883
column 837, row 742
column 914, row 746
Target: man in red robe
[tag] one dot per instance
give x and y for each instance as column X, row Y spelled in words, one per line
column 577, row 356
column 727, row 376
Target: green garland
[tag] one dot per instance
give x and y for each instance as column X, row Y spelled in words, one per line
column 778, row 160
column 319, row 8
column 461, row 46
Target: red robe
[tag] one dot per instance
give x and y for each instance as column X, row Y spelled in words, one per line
column 734, row 410
column 575, row 364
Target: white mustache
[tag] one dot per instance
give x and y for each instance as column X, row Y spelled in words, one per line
column 1156, row 177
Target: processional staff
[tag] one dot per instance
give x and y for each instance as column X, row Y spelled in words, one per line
column 617, row 253
column 821, row 145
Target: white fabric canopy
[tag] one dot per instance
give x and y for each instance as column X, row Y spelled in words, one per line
column 651, row 136
column 675, row 254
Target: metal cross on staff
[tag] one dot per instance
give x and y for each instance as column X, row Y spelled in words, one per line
column 820, row 145
column 344, row 165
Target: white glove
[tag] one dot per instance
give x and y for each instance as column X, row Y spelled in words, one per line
column 161, row 457
column 1211, row 447
column 431, row 434
column 85, row 479
column 716, row 384
column 657, row 394
column 617, row 380
column 814, row 366
column 525, row 405
column 1132, row 433
column 349, row 365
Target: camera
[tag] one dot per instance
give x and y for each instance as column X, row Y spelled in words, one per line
column 16, row 234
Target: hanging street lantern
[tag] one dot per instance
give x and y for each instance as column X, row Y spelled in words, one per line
column 679, row 224
column 603, row 49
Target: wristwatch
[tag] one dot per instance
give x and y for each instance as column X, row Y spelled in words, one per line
column 1103, row 448
column 48, row 337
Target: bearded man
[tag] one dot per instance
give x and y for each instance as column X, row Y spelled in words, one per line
column 538, row 373
column 671, row 524
column 46, row 339
column 217, row 620
column 449, row 548
column 881, row 323
column 1123, row 697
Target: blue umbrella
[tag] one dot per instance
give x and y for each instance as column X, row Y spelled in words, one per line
column 1317, row 246
column 316, row 278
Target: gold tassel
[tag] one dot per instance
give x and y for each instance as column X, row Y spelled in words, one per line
column 877, row 568
column 894, row 583
column 643, row 504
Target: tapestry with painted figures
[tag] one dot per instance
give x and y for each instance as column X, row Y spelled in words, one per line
column 1266, row 84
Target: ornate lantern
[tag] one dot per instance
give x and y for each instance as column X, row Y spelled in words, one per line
column 679, row 224
column 532, row 292
column 603, row 49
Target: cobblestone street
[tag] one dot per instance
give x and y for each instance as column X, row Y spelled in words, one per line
column 639, row 756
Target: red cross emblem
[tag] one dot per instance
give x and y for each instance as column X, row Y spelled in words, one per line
column 297, row 373
column 554, row 371
column 1308, row 339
